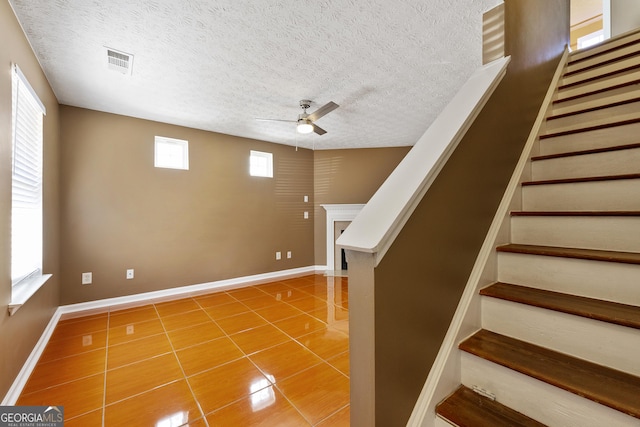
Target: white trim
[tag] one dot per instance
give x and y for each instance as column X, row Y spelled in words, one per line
column 184, row 291
column 29, row 365
column 26, row 84
column 435, row 387
column 391, row 206
column 320, row 268
column 267, row 156
column 606, row 18
column 337, row 212
column 22, row 291
column 132, row 300
column 161, row 143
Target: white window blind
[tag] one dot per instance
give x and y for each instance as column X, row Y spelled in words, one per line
column 26, row 189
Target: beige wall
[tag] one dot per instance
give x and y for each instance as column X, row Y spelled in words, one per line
column 174, row 228
column 622, row 15
column 578, row 32
column 420, row 280
column 348, row 176
column 20, row 332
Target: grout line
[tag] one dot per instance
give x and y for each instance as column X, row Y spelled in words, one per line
column 331, row 415
column 184, row 375
column 106, row 361
column 335, row 367
column 245, row 355
column 144, row 391
column 248, row 357
column 297, row 286
column 274, row 384
column 295, row 340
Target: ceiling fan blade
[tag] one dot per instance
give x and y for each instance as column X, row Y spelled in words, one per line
column 325, row 109
column 274, row 120
column 317, row 129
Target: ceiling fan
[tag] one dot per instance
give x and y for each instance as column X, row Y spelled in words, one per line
column 305, row 122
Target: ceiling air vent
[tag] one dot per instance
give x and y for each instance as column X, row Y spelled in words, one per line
column 119, row 61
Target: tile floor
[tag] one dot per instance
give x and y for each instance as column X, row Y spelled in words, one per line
column 275, row 354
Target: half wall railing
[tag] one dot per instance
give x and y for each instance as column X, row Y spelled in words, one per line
column 373, row 231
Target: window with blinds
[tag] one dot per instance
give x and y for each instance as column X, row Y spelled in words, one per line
column 26, row 190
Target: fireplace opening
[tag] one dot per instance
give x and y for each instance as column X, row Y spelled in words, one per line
column 343, row 257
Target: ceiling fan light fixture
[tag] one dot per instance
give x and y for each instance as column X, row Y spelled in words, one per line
column 304, row 126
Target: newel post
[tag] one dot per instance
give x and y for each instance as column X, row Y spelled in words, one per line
column 362, row 337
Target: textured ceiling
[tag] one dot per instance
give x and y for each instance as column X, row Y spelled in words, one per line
column 217, row 65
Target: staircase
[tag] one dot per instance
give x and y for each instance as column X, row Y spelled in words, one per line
column 560, row 337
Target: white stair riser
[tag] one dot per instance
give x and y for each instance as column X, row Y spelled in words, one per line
column 543, row 402
column 596, row 85
column 608, row 163
column 596, row 72
column 605, row 115
column 439, row 422
column 598, row 59
column 609, row 233
column 607, row 98
column 601, row 138
column 586, row 278
column 612, row 195
column 599, row 342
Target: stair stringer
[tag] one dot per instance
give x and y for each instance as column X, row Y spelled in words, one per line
column 445, row 374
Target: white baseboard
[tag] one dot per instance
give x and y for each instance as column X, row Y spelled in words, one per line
column 68, row 311
column 84, row 308
column 22, row 377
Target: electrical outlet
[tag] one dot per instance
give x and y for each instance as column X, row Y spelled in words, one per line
column 278, row 255
column 306, row 215
column 130, row 274
column 306, row 199
column 289, row 254
column 87, row 278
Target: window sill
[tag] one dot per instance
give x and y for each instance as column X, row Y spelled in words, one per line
column 21, row 292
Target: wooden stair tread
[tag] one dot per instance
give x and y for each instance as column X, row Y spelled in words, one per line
column 605, row 311
column 601, row 76
column 592, row 109
column 613, row 124
column 603, row 385
column 576, row 213
column 586, row 152
column 465, row 408
column 595, row 92
column 585, row 254
column 601, row 63
column 583, row 179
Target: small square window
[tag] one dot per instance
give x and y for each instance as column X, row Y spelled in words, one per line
column 590, row 39
column 261, row 164
column 171, row 153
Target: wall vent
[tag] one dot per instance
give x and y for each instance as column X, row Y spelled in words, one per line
column 119, row 61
